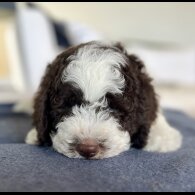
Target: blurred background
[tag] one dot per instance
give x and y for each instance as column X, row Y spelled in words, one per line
column 161, row 34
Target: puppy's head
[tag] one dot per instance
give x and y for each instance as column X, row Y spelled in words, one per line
column 84, row 104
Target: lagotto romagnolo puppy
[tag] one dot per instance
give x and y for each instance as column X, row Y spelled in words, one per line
column 96, row 101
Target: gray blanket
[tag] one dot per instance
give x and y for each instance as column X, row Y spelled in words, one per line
column 30, row 168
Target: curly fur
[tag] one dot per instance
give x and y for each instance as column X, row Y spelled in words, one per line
column 135, row 108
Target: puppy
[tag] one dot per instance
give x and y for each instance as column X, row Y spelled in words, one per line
column 96, row 101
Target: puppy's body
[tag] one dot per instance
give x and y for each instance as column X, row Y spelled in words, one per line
column 96, row 101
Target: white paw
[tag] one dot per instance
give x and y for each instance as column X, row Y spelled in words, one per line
column 32, row 138
column 163, row 138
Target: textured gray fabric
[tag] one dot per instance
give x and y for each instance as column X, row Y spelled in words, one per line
column 30, row 168
column 14, row 127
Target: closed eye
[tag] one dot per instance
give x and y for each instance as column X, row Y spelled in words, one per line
column 73, row 100
column 67, row 97
column 116, row 103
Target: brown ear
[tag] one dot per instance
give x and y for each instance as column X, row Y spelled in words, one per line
column 42, row 110
column 45, row 97
column 140, row 99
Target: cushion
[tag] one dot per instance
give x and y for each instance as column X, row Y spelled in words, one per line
column 32, row 168
column 14, row 127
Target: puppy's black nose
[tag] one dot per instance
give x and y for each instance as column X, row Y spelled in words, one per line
column 88, row 148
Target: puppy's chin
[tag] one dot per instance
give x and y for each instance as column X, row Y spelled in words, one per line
column 87, row 123
column 104, row 154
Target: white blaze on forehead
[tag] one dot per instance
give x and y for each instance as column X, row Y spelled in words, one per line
column 96, row 71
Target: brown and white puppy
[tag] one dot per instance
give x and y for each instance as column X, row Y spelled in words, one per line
column 96, row 101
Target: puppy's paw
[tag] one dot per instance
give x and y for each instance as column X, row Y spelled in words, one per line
column 32, row 137
column 163, row 138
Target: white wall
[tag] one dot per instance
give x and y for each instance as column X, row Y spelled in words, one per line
column 148, row 21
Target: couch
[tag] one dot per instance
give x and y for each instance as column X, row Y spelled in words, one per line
column 25, row 168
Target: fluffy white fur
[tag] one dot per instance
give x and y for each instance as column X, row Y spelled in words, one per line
column 163, row 138
column 96, row 71
column 31, row 138
column 86, row 123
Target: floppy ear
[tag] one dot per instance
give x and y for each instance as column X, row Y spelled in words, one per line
column 45, row 97
column 42, row 103
column 42, row 109
column 139, row 91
